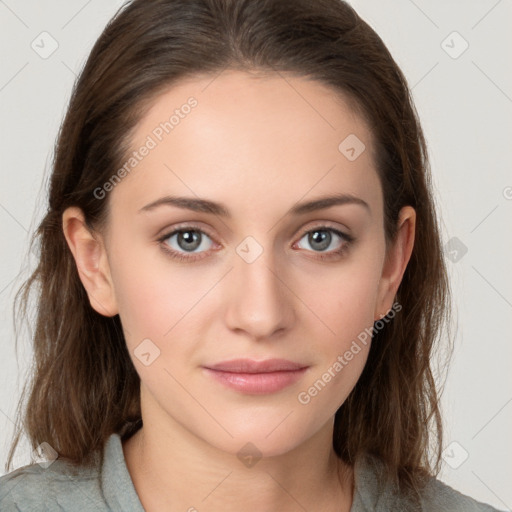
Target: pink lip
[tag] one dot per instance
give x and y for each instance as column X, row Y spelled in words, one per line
column 256, row 377
column 252, row 366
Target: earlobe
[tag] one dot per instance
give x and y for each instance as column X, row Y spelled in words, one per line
column 91, row 261
column 396, row 261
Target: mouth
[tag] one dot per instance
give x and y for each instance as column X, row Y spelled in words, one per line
column 256, row 377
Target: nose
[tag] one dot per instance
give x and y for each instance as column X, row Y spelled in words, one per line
column 259, row 301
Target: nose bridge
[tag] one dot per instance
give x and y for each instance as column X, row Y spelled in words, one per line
column 258, row 303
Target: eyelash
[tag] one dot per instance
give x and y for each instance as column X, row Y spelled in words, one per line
column 348, row 240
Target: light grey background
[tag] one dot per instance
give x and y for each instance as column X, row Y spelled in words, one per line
column 464, row 100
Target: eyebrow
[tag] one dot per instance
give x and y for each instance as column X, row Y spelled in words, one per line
column 207, row 206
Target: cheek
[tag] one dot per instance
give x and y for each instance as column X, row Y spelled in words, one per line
column 346, row 307
column 153, row 294
column 345, row 297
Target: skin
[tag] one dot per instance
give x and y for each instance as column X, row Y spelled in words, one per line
column 258, row 145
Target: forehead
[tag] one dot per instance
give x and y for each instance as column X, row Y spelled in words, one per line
column 238, row 137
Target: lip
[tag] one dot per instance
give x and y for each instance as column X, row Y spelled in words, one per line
column 256, row 377
column 252, row 366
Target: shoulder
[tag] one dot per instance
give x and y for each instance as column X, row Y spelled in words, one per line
column 59, row 486
column 439, row 496
column 372, row 493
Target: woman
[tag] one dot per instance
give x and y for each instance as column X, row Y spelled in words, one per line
column 241, row 274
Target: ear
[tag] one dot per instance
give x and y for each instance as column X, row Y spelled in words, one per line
column 91, row 260
column 396, row 261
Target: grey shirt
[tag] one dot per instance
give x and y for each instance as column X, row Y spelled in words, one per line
column 64, row 487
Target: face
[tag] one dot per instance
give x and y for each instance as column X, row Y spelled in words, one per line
column 256, row 277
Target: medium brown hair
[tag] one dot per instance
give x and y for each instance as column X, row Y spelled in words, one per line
column 84, row 385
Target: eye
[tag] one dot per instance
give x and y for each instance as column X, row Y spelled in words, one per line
column 190, row 243
column 323, row 237
column 179, row 243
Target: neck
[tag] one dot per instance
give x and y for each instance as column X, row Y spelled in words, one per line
column 174, row 470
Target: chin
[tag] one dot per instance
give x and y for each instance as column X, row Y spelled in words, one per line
column 264, row 439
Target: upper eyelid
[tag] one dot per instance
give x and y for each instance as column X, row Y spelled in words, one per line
column 185, row 227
